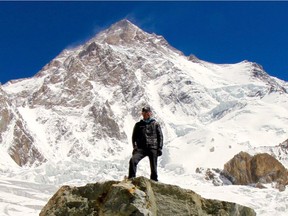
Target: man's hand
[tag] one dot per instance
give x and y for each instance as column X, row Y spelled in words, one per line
column 134, row 150
column 159, row 152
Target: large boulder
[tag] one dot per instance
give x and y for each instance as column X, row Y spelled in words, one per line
column 139, row 196
column 244, row 169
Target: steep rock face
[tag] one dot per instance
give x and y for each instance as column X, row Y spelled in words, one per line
column 23, row 150
column 6, row 115
column 245, row 169
column 281, row 151
column 259, row 73
column 21, row 147
column 284, row 146
column 139, row 196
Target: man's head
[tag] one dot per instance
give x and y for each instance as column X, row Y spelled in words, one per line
column 146, row 113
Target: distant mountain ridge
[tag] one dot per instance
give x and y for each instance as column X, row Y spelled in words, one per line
column 84, row 103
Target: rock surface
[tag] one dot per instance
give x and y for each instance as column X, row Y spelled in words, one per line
column 138, row 196
column 14, row 135
column 244, row 169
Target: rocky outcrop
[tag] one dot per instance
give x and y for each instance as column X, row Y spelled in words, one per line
column 22, row 149
column 139, row 196
column 244, row 169
column 283, row 148
column 6, row 115
column 259, row 73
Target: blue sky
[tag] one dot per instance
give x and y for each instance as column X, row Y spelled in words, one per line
column 33, row 33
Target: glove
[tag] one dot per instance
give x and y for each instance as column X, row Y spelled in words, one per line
column 134, row 150
column 159, row 152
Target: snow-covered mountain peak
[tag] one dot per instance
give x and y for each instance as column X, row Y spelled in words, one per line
column 122, row 32
column 122, row 26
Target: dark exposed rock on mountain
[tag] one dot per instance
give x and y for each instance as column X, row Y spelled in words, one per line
column 21, row 148
column 139, row 196
column 259, row 73
column 283, row 148
column 244, row 169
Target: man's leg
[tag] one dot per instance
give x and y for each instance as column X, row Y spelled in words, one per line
column 153, row 164
column 136, row 157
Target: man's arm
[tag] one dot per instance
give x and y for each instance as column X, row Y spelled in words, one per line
column 134, row 137
column 159, row 136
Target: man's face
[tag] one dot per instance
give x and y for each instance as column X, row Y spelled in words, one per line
column 146, row 115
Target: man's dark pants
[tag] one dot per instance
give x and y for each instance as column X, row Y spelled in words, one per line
column 137, row 156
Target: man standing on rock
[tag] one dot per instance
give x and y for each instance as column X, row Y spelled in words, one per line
column 147, row 140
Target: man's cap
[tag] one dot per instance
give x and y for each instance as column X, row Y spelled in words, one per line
column 146, row 109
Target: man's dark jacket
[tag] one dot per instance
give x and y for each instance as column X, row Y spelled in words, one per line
column 147, row 134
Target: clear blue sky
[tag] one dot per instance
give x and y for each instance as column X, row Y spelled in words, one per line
column 33, row 33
